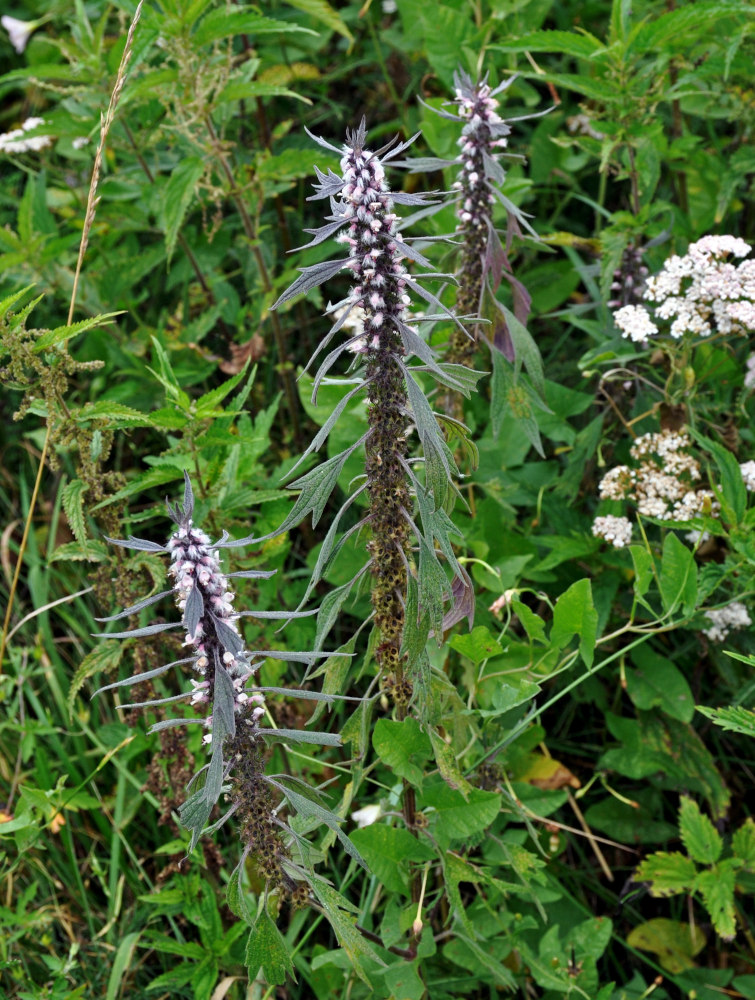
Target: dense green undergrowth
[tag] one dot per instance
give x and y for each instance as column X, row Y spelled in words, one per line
column 502, row 743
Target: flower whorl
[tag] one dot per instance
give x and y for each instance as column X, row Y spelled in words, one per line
column 202, row 594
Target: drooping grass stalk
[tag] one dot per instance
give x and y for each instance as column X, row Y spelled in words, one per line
column 89, row 215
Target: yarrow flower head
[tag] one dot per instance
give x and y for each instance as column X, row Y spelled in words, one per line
column 616, row 530
column 725, row 620
column 17, row 140
column 700, row 293
column 661, row 482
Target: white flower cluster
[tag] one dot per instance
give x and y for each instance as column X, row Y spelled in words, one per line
column 748, row 474
column 661, row 484
column 616, row 530
column 14, row 141
column 725, row 620
column 750, row 373
column 484, row 132
column 378, row 300
column 698, row 293
column 195, row 564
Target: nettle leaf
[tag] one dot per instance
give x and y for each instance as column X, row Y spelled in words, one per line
column 667, row 873
column 177, row 196
column 388, row 851
column 678, row 578
column 105, row 656
column 62, row 334
column 735, row 718
column 117, row 414
column 323, row 12
column 349, row 938
column 73, row 505
column 675, row 943
column 404, row 747
column 455, row 817
column 478, row 645
column 716, row 886
column 575, row 614
column 743, row 843
column 266, row 949
column 223, row 23
column 699, row 836
column 509, row 397
column 658, row 682
column 312, row 810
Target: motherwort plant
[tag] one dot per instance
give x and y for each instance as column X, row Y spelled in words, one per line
column 483, row 257
column 223, row 690
column 406, row 508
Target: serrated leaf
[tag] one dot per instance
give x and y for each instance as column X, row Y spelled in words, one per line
column 61, row 334
column 223, row 23
column 179, row 191
column 735, row 718
column 349, row 938
column 117, row 414
column 323, row 12
column 388, row 850
column 266, row 949
column 105, row 656
column 717, row 889
column 157, row 476
column 478, row 645
column 667, row 873
column 743, row 843
column 403, row 746
column 582, row 45
column 699, row 836
column 73, row 505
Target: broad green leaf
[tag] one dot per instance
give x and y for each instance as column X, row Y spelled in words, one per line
column 456, row 818
column 678, row 578
column 73, row 505
column 267, row 950
column 179, row 193
column 526, row 351
column 157, row 476
column 583, row 45
column 575, row 614
column 716, row 886
column 533, row 624
column 657, row 682
column 699, row 836
column 668, row 874
column 388, row 851
column 643, row 569
column 207, row 403
column 478, row 645
column 675, row 943
column 403, row 747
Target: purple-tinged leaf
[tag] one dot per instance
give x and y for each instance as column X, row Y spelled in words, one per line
column 193, row 611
